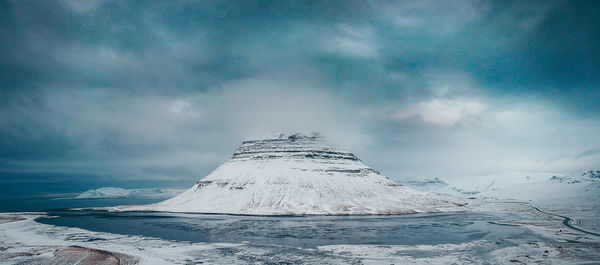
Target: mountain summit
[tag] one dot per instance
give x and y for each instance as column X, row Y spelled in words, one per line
column 289, row 174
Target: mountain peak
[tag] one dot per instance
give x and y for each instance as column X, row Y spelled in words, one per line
column 290, row 146
column 297, row 174
column 293, row 136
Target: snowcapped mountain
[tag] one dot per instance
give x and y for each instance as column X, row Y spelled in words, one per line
column 113, row 192
column 297, row 174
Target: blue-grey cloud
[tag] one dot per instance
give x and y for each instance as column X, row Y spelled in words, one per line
column 159, row 90
column 591, row 152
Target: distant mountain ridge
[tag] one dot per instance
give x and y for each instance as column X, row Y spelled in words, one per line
column 515, row 185
column 115, row 192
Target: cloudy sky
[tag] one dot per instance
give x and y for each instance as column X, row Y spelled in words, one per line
column 159, row 93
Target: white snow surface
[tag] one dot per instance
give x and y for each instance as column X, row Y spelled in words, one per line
column 298, row 175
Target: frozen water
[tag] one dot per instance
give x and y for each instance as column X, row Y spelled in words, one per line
column 497, row 233
column 304, row 231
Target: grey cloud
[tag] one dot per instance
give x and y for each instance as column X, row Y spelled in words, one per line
column 591, row 152
column 135, row 89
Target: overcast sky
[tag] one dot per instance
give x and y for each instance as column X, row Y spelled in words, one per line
column 155, row 93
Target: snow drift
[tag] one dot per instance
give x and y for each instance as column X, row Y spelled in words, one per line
column 297, row 174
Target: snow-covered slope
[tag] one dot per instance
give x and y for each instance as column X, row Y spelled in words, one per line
column 495, row 183
column 297, row 174
column 582, row 187
column 514, row 185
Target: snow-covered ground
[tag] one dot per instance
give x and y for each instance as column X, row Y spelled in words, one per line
column 296, row 175
column 28, row 242
column 575, row 195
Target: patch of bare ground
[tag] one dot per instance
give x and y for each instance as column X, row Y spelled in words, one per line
column 549, row 253
column 578, row 251
column 58, row 255
column 8, row 218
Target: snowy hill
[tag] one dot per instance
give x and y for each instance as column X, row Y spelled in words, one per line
column 113, row 192
column 297, row 174
column 433, row 185
column 514, row 185
column 582, row 188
